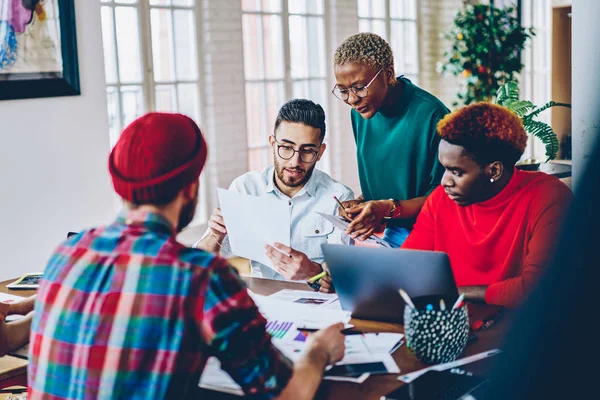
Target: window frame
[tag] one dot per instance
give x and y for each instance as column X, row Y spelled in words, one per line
column 287, row 79
column 147, row 82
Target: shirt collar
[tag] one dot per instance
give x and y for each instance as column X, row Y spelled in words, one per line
column 149, row 220
column 309, row 187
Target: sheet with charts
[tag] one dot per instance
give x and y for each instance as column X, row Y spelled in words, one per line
column 253, row 222
column 342, row 224
column 284, row 317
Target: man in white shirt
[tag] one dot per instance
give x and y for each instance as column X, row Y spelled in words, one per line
column 297, row 145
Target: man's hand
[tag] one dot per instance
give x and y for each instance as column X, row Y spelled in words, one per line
column 326, row 282
column 296, row 266
column 4, row 310
column 327, row 342
column 216, row 223
column 368, row 220
column 22, row 307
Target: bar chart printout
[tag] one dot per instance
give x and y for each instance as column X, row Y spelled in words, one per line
column 278, row 329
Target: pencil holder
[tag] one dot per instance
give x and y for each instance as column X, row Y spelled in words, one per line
column 433, row 335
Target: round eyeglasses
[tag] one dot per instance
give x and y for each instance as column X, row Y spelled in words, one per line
column 359, row 91
column 286, row 152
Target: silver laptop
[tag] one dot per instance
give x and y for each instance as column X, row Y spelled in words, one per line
column 367, row 279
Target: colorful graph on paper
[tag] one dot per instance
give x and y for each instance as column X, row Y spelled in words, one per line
column 278, row 329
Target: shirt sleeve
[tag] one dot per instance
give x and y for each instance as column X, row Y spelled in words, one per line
column 437, row 170
column 548, row 217
column 421, row 237
column 235, row 333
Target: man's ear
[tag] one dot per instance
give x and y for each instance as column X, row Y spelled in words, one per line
column 190, row 191
column 321, row 151
column 495, row 170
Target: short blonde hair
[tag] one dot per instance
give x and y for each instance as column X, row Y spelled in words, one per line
column 365, row 48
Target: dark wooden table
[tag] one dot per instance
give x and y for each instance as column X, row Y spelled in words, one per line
column 375, row 386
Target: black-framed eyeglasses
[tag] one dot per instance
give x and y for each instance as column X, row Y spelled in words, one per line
column 344, row 94
column 286, row 152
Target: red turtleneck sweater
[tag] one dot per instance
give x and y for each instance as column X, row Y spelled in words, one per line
column 504, row 242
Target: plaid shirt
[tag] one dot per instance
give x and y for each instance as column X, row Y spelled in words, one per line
column 126, row 311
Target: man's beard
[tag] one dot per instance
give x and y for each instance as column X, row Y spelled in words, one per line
column 187, row 214
column 288, row 182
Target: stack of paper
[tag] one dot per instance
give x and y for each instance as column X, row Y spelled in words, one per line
column 370, row 352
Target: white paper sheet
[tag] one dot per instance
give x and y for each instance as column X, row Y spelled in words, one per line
column 408, row 378
column 308, row 298
column 342, row 224
column 253, row 222
column 9, row 298
column 300, row 314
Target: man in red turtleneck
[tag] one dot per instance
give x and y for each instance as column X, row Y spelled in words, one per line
column 497, row 224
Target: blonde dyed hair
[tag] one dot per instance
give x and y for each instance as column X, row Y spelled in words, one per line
column 365, row 48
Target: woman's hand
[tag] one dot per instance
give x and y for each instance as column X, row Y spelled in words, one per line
column 369, row 218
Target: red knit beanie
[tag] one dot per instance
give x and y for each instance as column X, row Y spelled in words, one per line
column 156, row 156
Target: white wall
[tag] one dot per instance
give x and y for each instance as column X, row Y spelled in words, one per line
column 53, row 160
column 586, row 81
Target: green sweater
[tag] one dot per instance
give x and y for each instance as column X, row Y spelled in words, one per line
column 397, row 148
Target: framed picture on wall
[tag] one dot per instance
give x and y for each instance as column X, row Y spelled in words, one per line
column 38, row 49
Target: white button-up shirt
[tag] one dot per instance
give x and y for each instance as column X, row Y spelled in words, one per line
column 308, row 230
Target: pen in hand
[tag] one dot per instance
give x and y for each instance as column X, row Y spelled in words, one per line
column 348, row 217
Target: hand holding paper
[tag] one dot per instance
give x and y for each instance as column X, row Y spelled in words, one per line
column 290, row 263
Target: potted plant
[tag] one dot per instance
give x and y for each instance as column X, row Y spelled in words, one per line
column 486, row 44
column 508, row 96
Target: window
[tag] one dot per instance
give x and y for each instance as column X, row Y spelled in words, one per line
column 151, row 62
column 284, row 58
column 536, row 82
column 396, row 22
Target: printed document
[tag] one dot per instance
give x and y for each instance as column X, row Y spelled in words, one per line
column 253, row 222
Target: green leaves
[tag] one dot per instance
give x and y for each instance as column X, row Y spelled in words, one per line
column 508, row 96
column 544, row 132
column 520, row 107
column 507, row 93
column 485, row 45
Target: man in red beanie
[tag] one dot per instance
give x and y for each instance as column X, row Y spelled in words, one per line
column 125, row 311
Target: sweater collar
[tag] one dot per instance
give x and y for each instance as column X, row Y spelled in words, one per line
column 507, row 192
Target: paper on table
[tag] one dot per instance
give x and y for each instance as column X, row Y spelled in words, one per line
column 383, row 342
column 214, row 378
column 9, row 298
column 253, row 222
column 308, row 298
column 301, row 315
column 408, row 378
column 342, row 224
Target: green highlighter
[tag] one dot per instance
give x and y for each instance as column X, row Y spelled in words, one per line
column 314, row 281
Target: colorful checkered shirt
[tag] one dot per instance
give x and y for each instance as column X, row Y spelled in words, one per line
column 125, row 311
